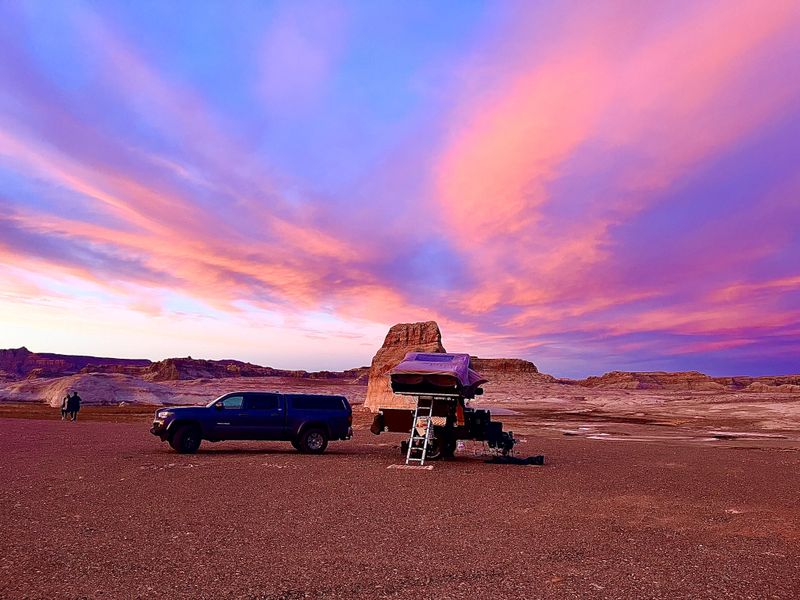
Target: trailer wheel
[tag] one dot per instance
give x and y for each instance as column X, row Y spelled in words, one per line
column 449, row 448
column 435, row 449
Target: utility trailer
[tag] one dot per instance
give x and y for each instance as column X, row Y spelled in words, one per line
column 440, row 384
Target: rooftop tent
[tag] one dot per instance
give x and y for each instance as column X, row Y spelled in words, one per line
column 426, row 373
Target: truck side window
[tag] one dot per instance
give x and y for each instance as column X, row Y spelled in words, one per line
column 262, row 402
column 317, row 403
column 232, row 402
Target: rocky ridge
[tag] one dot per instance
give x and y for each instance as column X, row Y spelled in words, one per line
column 182, row 369
column 20, row 363
column 691, row 380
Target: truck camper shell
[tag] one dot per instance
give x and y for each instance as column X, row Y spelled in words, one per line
column 422, row 373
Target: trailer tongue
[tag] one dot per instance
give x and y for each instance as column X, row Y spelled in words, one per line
column 440, row 384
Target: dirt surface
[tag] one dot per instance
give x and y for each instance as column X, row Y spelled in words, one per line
column 100, row 508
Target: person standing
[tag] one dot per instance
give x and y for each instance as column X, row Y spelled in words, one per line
column 64, row 404
column 73, row 406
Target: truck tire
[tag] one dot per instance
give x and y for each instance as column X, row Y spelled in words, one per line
column 186, row 439
column 313, row 440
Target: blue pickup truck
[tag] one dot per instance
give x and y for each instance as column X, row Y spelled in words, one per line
column 308, row 421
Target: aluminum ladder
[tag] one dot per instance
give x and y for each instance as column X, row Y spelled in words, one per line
column 418, row 444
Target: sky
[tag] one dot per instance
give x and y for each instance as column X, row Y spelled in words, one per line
column 590, row 186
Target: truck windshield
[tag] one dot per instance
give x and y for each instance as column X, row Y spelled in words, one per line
column 210, row 404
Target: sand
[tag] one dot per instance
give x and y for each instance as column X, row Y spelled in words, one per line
column 100, row 508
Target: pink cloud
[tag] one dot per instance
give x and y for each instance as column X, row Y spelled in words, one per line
column 667, row 98
column 494, row 174
column 294, row 266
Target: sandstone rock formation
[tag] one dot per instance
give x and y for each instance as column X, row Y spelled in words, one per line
column 764, row 383
column 179, row 369
column 692, row 380
column 402, row 338
column 502, row 365
column 764, row 388
column 656, row 380
column 94, row 388
column 508, row 374
column 112, row 389
column 17, row 363
column 21, row 363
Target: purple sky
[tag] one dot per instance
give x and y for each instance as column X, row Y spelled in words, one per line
column 591, row 186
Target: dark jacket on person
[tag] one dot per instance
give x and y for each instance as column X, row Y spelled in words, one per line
column 74, row 403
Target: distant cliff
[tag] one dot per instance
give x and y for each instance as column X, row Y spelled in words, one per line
column 19, row 363
column 173, row 369
column 691, row 380
column 502, row 365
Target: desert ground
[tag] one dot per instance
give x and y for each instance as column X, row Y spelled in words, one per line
column 660, row 496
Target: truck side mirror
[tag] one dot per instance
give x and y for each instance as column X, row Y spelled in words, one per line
column 219, row 406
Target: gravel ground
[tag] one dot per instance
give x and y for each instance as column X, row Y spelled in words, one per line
column 103, row 509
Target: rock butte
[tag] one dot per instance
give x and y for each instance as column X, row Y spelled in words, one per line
column 425, row 337
column 402, row 338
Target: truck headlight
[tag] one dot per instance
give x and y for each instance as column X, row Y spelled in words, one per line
column 163, row 414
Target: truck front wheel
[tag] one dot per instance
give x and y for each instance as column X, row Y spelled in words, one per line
column 312, row 441
column 186, row 439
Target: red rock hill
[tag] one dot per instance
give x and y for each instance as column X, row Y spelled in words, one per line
column 19, row 363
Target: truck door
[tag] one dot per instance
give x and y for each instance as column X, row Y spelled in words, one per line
column 227, row 421
column 264, row 416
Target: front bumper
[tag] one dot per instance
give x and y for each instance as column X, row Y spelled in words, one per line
column 159, row 429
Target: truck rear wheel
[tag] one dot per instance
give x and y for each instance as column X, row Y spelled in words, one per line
column 313, row 441
column 186, row 439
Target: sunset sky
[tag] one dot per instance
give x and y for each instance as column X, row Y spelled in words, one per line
column 588, row 185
